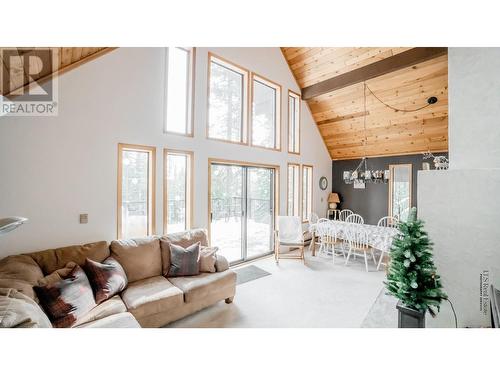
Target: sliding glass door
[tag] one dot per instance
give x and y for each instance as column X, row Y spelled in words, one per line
column 242, row 206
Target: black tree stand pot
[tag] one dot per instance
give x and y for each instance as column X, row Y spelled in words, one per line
column 410, row 318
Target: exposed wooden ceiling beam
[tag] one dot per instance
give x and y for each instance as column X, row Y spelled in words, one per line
column 387, row 65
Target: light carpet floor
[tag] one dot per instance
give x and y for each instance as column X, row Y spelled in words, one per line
column 317, row 294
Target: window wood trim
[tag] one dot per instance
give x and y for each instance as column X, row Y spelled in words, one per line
column 304, row 166
column 151, row 186
column 299, row 102
column 189, row 187
column 299, row 209
column 246, row 97
column 191, row 91
column 243, row 164
column 278, row 128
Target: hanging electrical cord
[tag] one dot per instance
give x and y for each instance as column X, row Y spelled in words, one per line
column 454, row 313
column 430, row 101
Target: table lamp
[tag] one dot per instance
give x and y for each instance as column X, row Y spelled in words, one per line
column 333, row 199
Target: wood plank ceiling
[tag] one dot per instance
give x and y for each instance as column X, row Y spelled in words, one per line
column 340, row 114
column 23, row 75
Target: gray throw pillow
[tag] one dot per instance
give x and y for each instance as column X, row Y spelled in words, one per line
column 184, row 261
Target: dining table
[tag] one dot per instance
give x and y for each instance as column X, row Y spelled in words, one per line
column 379, row 237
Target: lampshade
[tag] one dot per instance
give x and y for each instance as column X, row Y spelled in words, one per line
column 333, row 198
column 10, row 223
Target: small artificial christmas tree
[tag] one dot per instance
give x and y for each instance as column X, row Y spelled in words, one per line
column 412, row 276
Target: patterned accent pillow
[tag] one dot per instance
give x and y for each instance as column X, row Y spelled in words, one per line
column 208, row 259
column 107, row 278
column 184, row 262
column 67, row 300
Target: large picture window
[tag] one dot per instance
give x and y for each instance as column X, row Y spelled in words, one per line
column 136, row 190
column 179, row 64
column 293, row 123
column 227, row 101
column 178, row 180
column 293, row 190
column 307, row 192
column 266, row 109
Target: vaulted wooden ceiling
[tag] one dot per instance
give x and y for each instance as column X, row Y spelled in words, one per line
column 23, row 74
column 333, row 84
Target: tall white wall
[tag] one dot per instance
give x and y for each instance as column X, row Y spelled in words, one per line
column 460, row 206
column 474, row 113
column 53, row 169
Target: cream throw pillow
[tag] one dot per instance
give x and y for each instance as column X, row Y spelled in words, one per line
column 208, row 258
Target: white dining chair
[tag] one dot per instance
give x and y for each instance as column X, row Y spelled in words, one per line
column 312, row 235
column 289, row 234
column 323, row 233
column 355, row 219
column 344, row 214
column 328, row 239
column 388, row 222
column 357, row 241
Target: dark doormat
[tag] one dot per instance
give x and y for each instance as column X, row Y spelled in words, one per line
column 249, row 273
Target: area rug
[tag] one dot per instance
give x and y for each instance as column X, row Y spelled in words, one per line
column 249, row 273
column 383, row 313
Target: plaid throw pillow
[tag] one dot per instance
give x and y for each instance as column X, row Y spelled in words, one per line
column 67, row 300
column 107, row 278
column 184, row 262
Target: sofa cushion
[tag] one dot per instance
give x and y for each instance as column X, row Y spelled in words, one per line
column 54, row 259
column 67, row 300
column 20, row 272
column 198, row 287
column 151, row 296
column 57, row 275
column 184, row 261
column 183, row 239
column 114, row 305
column 107, row 278
column 17, row 310
column 208, row 258
column 140, row 258
column 122, row 320
column 21, row 267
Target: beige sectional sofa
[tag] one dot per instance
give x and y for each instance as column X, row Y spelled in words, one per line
column 150, row 299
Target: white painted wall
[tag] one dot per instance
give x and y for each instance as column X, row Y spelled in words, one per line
column 53, row 169
column 460, row 206
column 474, row 113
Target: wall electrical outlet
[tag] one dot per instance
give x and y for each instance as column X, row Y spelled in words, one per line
column 84, row 218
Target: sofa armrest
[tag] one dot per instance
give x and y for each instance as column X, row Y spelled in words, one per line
column 221, row 264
